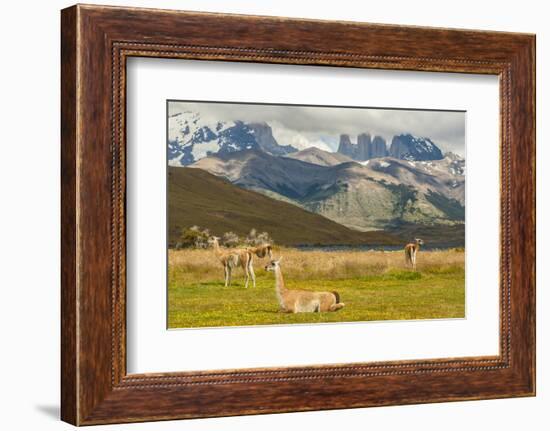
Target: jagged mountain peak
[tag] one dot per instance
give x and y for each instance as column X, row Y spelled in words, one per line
column 190, row 138
column 409, row 147
column 366, row 147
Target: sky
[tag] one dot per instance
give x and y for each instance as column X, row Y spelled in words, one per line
column 307, row 126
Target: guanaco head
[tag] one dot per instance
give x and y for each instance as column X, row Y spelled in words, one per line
column 213, row 240
column 419, row 241
column 273, row 264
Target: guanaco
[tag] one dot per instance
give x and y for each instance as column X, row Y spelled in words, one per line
column 231, row 258
column 301, row 301
column 411, row 251
column 262, row 251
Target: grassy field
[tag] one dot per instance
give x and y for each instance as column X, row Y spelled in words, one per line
column 374, row 285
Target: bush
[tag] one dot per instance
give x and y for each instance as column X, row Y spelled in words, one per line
column 230, row 239
column 197, row 237
column 254, row 238
column 193, row 237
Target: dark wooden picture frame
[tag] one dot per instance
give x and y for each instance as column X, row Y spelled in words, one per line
column 96, row 42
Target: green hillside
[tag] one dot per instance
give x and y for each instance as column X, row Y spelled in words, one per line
column 196, row 197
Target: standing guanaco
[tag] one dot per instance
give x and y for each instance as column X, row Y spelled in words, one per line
column 411, row 251
column 262, row 251
column 231, row 258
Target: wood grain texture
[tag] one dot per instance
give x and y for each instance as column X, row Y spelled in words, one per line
column 69, row 397
column 96, row 41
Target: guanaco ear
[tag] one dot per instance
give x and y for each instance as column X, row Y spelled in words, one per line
column 279, row 260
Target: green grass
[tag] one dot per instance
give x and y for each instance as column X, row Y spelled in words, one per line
column 197, row 297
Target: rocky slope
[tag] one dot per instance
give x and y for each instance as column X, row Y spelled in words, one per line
column 409, row 147
column 223, row 207
column 319, row 157
column 376, row 194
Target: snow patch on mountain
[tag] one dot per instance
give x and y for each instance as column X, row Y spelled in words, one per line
column 191, row 139
column 414, row 148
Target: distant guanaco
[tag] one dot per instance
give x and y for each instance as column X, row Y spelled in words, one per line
column 302, row 301
column 262, row 251
column 231, row 258
column 411, row 251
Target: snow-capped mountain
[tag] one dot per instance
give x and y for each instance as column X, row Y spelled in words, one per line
column 404, row 147
column 409, row 147
column 191, row 139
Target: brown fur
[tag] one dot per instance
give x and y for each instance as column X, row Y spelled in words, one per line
column 411, row 252
column 231, row 258
column 302, row 301
column 262, row 251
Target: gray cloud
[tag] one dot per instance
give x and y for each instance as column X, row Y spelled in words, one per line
column 305, row 126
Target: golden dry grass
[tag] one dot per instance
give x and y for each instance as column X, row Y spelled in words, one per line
column 202, row 265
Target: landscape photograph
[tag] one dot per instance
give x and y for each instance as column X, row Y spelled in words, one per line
column 299, row 214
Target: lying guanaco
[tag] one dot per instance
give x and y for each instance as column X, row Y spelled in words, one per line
column 411, row 251
column 302, row 301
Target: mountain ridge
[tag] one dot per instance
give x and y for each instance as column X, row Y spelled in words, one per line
column 221, row 207
column 191, row 138
column 317, row 156
column 362, row 196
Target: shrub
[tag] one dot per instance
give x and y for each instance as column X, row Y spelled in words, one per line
column 230, row 239
column 193, row 236
column 254, row 238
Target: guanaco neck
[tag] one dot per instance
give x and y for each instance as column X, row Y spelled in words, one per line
column 279, row 281
column 217, row 249
column 280, row 289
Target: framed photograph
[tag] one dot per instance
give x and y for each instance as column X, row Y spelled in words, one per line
column 340, row 212
column 267, row 215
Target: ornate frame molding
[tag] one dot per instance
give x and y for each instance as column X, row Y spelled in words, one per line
column 96, row 41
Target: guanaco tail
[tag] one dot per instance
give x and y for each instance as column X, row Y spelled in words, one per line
column 411, row 251
column 231, row 258
column 302, row 301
